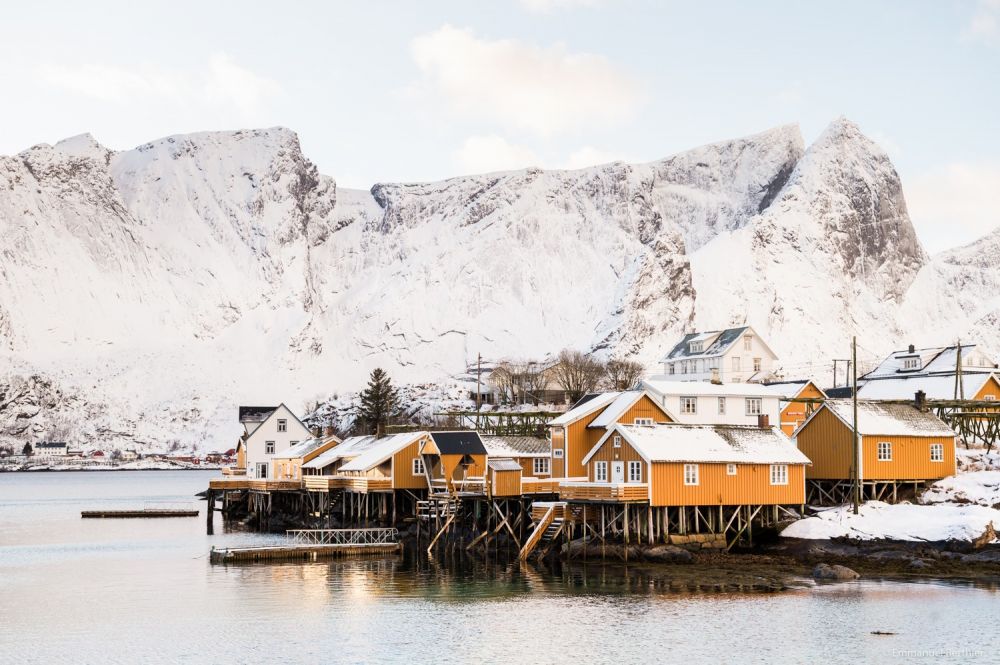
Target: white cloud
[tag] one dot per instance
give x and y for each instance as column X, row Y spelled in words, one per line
column 482, row 154
column 549, row 6
column 220, row 82
column 522, row 86
column 985, row 23
column 955, row 204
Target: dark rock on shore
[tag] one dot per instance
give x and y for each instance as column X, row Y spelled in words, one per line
column 834, row 573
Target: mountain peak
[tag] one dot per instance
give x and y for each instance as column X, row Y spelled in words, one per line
column 84, row 145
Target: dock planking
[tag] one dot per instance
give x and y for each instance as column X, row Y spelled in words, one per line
column 299, row 552
column 140, row 513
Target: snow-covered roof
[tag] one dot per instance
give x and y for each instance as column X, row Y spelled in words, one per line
column 381, row 450
column 503, row 465
column 933, row 360
column 517, row 446
column 886, row 419
column 666, row 387
column 708, row 444
column 935, row 387
column 716, row 343
column 791, row 389
column 350, row 447
column 303, row 448
column 585, row 407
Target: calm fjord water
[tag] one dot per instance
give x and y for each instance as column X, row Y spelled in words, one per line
column 127, row 591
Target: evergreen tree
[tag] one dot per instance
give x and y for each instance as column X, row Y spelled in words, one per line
column 379, row 403
column 27, row 450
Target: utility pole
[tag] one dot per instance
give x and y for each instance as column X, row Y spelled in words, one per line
column 857, row 453
column 479, row 382
column 959, row 383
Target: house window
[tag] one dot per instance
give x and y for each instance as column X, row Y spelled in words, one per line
column 689, row 405
column 601, row 472
column 684, row 367
column 541, row 465
column 617, row 441
column 643, row 421
column 282, row 425
column 884, row 451
column 754, row 406
column 292, row 443
column 779, row 474
column 690, row 474
column 557, row 453
column 722, row 406
column 670, row 368
column 911, row 363
column 736, row 363
column 937, row 452
column 730, row 469
column 756, row 364
column 748, row 342
column 635, row 472
column 697, row 347
column 989, row 398
column 269, row 447
column 418, row 466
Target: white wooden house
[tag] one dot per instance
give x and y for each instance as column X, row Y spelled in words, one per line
column 267, row 431
column 734, row 355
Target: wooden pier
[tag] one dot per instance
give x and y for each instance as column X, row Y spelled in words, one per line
column 313, row 544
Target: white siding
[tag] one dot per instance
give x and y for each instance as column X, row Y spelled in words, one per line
column 268, row 431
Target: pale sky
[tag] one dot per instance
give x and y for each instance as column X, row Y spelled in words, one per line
column 409, row 91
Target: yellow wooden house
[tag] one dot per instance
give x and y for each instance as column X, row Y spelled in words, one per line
column 795, row 413
column 288, row 463
column 455, row 462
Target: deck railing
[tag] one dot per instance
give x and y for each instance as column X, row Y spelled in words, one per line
column 344, row 536
column 603, row 491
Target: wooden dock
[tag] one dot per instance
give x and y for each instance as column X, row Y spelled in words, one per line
column 137, row 513
column 312, row 544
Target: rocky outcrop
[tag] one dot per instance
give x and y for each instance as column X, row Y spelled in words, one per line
column 835, row 573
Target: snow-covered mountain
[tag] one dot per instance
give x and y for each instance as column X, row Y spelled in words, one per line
column 151, row 290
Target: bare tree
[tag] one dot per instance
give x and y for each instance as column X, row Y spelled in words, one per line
column 577, row 373
column 503, row 381
column 623, row 374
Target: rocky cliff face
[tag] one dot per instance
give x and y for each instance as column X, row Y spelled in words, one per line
column 173, row 281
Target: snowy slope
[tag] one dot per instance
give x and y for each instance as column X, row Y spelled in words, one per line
column 156, row 288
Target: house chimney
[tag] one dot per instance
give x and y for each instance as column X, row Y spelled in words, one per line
column 920, row 400
column 764, row 421
column 315, row 431
column 913, row 349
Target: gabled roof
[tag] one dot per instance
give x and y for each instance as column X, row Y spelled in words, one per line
column 585, row 407
column 303, row 448
column 611, row 413
column 458, row 443
column 707, row 444
column 932, row 360
column 381, row 450
column 940, row 386
column 884, row 419
column 517, row 446
column 503, row 465
column 253, row 414
column 792, row 389
column 717, row 342
column 668, row 387
column 352, row 446
column 50, row 444
column 272, row 414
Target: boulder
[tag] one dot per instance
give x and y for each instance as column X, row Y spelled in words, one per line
column 919, row 564
column 826, row 572
column 668, row 554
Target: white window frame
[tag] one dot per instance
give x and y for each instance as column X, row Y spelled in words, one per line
column 557, row 453
column 937, row 448
column 748, row 342
column 730, row 469
column 722, row 406
column 670, row 368
column 779, row 474
column 269, row 447
column 600, row 472
column 884, row 456
column 616, row 441
column 634, row 472
column 684, row 367
column 757, row 364
column 989, row 398
column 736, row 363
column 689, row 400
column 697, row 347
column 417, row 466
column 643, row 421
column 282, row 425
column 911, row 363
column 759, row 402
column 691, row 474
column 541, row 466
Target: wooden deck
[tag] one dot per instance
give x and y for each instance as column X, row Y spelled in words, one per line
column 260, row 485
column 138, row 513
column 604, row 492
column 539, row 486
column 298, row 552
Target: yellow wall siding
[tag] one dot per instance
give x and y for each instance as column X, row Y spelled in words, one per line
column 750, row 486
column 608, row 453
column 506, row 483
column 528, row 467
column 453, row 467
column 828, row 445
column 557, row 435
column 990, row 388
column 402, row 468
column 911, row 458
column 796, row 413
column 579, row 441
column 644, row 408
column 241, row 458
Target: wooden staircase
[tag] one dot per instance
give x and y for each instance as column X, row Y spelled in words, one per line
column 546, row 531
